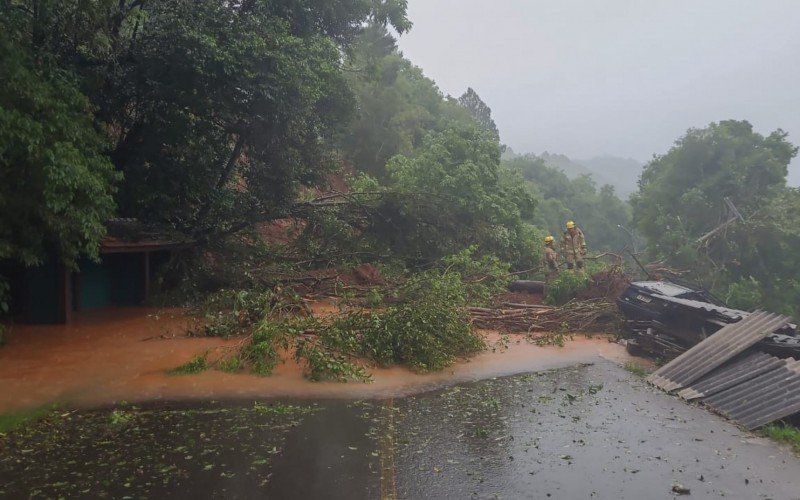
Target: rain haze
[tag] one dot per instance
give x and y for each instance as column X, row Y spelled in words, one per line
column 623, row 77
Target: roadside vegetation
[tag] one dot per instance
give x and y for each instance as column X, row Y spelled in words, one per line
column 15, row 420
column 637, row 369
column 425, row 326
column 784, row 433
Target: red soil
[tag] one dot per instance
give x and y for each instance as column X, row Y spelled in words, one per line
column 123, row 354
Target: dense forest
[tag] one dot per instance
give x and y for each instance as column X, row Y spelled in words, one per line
column 211, row 118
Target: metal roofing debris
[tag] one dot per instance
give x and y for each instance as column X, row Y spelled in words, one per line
column 770, row 396
column 729, row 376
column 712, row 352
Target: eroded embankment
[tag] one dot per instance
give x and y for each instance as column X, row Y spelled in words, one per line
column 117, row 355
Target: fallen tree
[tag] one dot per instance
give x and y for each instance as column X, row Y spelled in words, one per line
column 593, row 315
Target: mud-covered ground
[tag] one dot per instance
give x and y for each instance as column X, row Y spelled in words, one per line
column 586, row 431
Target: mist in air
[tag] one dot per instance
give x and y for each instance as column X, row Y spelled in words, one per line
column 623, row 78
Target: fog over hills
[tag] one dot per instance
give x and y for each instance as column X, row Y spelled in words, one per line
column 622, row 173
column 621, row 77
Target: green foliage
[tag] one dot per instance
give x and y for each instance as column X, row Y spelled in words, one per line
column 745, row 294
column 681, row 198
column 479, row 111
column 451, row 194
column 231, row 312
column 566, row 286
column 17, row 419
column 219, row 111
column 321, row 363
column 783, row 433
column 427, row 330
column 197, row 364
column 56, row 182
column 598, row 212
column 276, row 409
column 397, row 105
column 262, row 353
column 484, row 276
column 120, row 418
column 681, row 192
column 636, row 369
column 374, row 299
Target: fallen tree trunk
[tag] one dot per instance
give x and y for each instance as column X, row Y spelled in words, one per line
column 527, row 286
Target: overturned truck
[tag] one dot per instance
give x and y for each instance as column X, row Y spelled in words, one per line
column 741, row 364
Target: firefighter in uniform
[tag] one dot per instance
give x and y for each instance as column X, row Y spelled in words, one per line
column 574, row 246
column 550, row 259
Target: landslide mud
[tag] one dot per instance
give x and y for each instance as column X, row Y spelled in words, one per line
column 123, row 354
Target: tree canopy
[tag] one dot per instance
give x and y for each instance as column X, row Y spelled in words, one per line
column 479, row 111
column 56, row 182
column 681, row 201
column 681, row 193
column 599, row 213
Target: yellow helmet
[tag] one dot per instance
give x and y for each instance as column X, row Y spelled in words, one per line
column 549, row 239
column 570, row 225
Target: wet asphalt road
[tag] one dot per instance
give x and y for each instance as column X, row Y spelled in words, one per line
column 589, row 431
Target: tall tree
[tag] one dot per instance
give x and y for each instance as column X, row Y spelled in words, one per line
column 218, row 110
column 56, row 182
column 397, row 106
column 479, row 111
column 681, row 193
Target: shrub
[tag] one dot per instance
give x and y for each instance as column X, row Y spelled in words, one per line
column 744, row 294
column 483, row 276
column 197, row 364
column 236, row 312
column 566, row 286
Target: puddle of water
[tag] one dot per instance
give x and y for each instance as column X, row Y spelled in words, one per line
column 122, row 355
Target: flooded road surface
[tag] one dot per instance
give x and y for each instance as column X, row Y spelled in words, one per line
column 123, row 354
column 584, row 431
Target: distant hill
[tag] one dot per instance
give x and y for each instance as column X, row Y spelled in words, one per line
column 622, row 173
column 570, row 167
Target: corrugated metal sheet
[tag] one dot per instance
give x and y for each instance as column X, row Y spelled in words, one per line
column 734, row 374
column 763, row 399
column 716, row 349
column 732, row 314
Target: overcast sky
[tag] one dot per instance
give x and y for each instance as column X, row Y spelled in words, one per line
column 620, row 77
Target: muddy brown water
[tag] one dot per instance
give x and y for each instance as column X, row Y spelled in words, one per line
column 123, row 354
column 584, row 431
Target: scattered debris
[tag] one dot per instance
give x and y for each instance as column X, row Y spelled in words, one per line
column 578, row 316
column 763, row 399
column 664, row 319
column 716, row 350
column 740, row 364
column 680, row 489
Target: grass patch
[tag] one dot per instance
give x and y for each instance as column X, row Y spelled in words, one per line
column 783, row 433
column 637, row 369
column 14, row 420
column 197, row 364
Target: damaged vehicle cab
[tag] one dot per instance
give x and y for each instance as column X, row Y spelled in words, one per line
column 665, row 318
